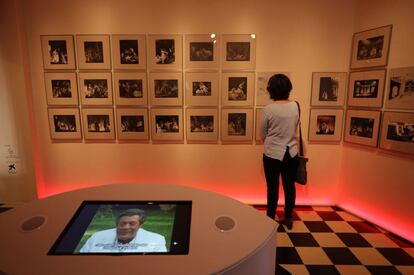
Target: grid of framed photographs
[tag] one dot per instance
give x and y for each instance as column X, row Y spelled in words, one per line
column 163, row 88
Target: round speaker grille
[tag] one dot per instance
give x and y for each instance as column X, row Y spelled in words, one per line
column 225, row 223
column 33, row 223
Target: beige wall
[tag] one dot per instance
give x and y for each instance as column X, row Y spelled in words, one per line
column 298, row 37
column 375, row 184
column 15, row 129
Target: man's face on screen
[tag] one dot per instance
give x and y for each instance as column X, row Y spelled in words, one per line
column 127, row 228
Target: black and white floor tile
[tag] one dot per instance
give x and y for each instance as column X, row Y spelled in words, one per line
column 329, row 240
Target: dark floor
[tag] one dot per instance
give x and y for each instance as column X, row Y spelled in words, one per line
column 329, row 240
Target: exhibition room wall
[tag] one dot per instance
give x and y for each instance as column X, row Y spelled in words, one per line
column 376, row 184
column 17, row 180
column 299, row 37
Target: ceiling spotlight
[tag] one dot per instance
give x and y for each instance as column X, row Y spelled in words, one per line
column 253, row 35
column 214, row 41
column 213, row 35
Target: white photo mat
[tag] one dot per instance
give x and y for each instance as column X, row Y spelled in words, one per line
column 201, row 51
column 202, row 89
column 329, row 89
column 202, row 124
column 61, row 88
column 132, row 123
column 98, row 124
column 65, row 124
column 325, row 125
column 58, row 52
column 93, row 52
column 130, row 88
column 362, row 127
column 237, row 89
column 237, row 124
column 129, row 51
column 366, row 88
column 397, row 132
column 167, row 124
column 95, row 88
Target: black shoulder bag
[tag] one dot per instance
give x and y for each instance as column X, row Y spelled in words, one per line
column 301, row 174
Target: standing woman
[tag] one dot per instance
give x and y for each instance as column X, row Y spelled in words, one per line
column 280, row 157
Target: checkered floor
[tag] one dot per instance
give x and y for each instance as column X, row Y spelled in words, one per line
column 329, row 240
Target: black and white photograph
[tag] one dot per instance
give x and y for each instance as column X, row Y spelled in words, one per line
column 58, row 52
column 362, row 127
column 93, row 51
column 201, row 88
column 325, row 125
column 400, row 89
column 370, row 48
column 236, row 124
column 328, row 88
column 237, row 88
column 397, row 132
column 95, row 88
column 201, row 124
column 98, row 123
column 166, row 88
column 128, row 51
column 164, row 51
column 238, row 51
column 132, row 123
column 400, row 131
column 61, row 88
column 166, row 124
column 201, row 51
column 130, row 88
column 64, row 123
column 366, row 88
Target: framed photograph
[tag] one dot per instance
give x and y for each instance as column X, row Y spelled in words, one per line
column 325, row 125
column 397, row 132
column 64, row 123
column 237, row 89
column 58, row 52
column 93, row 52
column 130, row 89
column 202, row 89
column 262, row 96
column 165, row 52
column 61, row 89
column 366, row 88
column 362, row 127
column 167, row 124
column 201, row 51
column 236, row 124
column 258, row 126
column 98, row 124
column 328, row 89
column 166, row 89
column 202, row 124
column 128, row 52
column 239, row 52
column 132, row 123
column 400, row 89
column 370, row 48
column 95, row 88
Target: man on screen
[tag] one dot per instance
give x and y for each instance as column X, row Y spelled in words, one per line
column 128, row 236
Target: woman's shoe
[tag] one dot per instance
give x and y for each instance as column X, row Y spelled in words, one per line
column 288, row 222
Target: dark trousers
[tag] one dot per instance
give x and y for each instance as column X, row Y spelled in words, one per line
column 287, row 168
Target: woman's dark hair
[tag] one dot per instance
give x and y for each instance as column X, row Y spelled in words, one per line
column 279, row 87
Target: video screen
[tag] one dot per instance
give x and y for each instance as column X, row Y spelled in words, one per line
column 127, row 227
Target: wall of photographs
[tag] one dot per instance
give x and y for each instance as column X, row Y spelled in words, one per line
column 377, row 112
column 153, row 87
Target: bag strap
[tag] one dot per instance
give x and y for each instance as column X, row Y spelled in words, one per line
column 300, row 133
